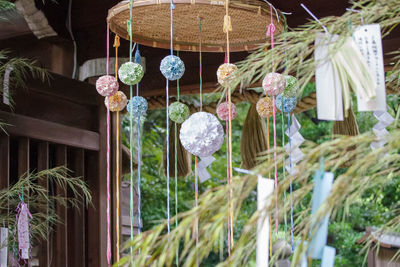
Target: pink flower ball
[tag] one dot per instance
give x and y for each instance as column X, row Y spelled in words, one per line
column 274, row 83
column 107, row 85
column 223, row 111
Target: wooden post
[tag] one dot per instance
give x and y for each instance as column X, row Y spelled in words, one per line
column 76, row 215
column 43, row 164
column 60, row 249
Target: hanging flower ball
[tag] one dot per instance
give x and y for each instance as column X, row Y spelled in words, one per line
column 274, row 83
column 291, row 86
column 226, row 73
column 137, row 106
column 289, row 103
column 117, row 101
column 223, row 111
column 107, row 85
column 172, row 67
column 265, row 107
column 178, row 112
column 130, row 73
column 202, row 134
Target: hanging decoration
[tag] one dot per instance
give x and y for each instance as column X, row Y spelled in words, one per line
column 286, row 104
column 265, row 107
column 3, row 246
column 291, row 89
column 384, row 120
column 137, row 106
column 318, row 249
column 178, row 112
column 226, row 73
column 116, row 102
column 202, row 135
column 274, row 83
column 293, row 147
column 130, row 73
column 23, row 216
column 223, row 111
column 107, row 85
column 172, row 67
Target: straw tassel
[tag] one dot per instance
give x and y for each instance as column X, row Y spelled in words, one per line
column 254, row 138
column 348, row 126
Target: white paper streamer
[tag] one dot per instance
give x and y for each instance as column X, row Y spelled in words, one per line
column 328, row 86
column 202, row 168
column 3, row 246
column 6, row 83
column 293, row 146
column 265, row 187
column 384, row 120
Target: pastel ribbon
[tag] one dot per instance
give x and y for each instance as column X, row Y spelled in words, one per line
column 293, row 147
column 384, row 120
column 3, row 246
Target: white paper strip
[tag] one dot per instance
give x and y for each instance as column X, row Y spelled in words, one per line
column 3, row 246
column 384, row 120
column 293, row 146
column 202, row 168
column 6, row 84
column 328, row 257
column 265, row 187
column 369, row 40
column 328, row 86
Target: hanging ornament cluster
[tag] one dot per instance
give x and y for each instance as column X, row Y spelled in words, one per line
column 274, row 83
column 226, row 73
column 130, row 73
column 286, row 104
column 223, row 111
column 172, row 67
column 137, row 106
column 265, row 107
column 178, row 112
column 107, row 85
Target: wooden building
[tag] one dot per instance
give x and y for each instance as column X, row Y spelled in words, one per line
column 384, row 249
column 63, row 122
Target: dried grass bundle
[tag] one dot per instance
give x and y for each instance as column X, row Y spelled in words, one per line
column 254, row 138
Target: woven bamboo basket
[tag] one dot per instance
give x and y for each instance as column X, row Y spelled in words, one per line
column 151, row 24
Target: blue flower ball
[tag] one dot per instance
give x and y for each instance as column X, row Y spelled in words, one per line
column 172, row 67
column 289, row 103
column 137, row 106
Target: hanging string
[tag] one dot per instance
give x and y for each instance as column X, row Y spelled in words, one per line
column 283, row 169
column 131, row 204
column 200, row 66
column 167, row 118
column 291, row 186
column 271, row 30
column 116, row 45
column 227, row 180
column 176, row 173
column 269, row 177
column 108, row 160
column 227, row 28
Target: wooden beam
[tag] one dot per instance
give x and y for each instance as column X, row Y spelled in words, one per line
column 50, row 131
column 65, row 88
column 76, row 215
column 60, row 245
column 43, row 164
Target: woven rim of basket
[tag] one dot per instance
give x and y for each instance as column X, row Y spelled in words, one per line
column 151, row 24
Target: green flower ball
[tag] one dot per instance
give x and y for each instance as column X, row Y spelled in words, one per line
column 291, row 88
column 130, row 73
column 178, row 112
